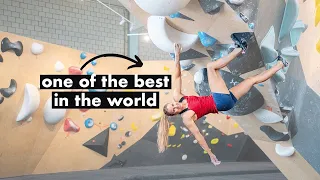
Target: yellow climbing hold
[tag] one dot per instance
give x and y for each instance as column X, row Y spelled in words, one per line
column 166, row 68
column 178, row 145
column 215, row 141
column 317, row 19
column 235, row 125
column 317, row 3
column 205, row 152
column 128, row 90
column 134, row 127
column 156, row 117
column 174, row 145
column 172, row 130
column 183, row 136
column 169, row 145
column 318, row 46
column 210, row 127
column 121, row 129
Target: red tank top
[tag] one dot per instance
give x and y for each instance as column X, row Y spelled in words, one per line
column 201, row 105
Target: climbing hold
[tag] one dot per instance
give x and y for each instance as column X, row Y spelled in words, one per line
column 113, row 126
column 166, row 93
column 182, row 136
column 164, row 36
column 206, row 40
column 228, row 117
column 156, row 117
column 210, row 6
column 29, row 119
column 134, row 127
column 31, row 102
column 251, row 25
column 90, row 71
column 195, row 141
column 8, row 92
column 169, row 145
column 235, row 125
column 58, row 66
column 317, row 18
column 89, row 123
column 261, row 85
column 94, row 62
column 207, row 134
column 172, row 130
column 187, row 135
column 244, row 18
column 53, row 116
column 298, row 28
column 1, row 99
column 289, row 52
column 236, row 136
column 119, row 146
column 210, row 127
column 83, row 110
column 179, row 146
column 284, row 151
column 268, row 51
column 222, row 134
column 70, row 126
column 120, row 118
column 236, row 2
column 162, row 7
column 16, row 47
column 83, row 55
column 186, row 64
column 184, row 129
column 184, row 157
column 214, row 141
column 198, row 77
column 318, row 46
column 123, row 143
column 166, row 68
column 36, row 48
column 73, row 70
column 274, row 135
column 174, row 145
column 203, row 131
column 205, row 152
column 267, row 117
column 181, row 16
column 229, row 145
column 289, row 18
column 128, row 134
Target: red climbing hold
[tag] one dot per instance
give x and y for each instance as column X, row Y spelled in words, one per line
column 69, row 126
column 229, row 145
column 84, row 110
column 73, row 70
column 228, row 117
column 269, row 108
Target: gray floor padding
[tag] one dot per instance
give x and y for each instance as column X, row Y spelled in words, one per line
column 145, row 151
column 249, row 103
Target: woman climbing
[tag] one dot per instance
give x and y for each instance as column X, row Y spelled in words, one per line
column 192, row 108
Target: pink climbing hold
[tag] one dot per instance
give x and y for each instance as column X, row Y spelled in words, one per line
column 84, row 110
column 73, row 70
column 229, row 145
column 70, row 126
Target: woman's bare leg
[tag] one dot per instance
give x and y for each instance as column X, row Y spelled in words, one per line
column 216, row 83
column 245, row 86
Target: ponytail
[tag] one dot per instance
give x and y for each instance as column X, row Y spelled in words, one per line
column 163, row 133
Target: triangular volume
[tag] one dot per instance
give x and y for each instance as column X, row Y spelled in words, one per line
column 206, row 40
column 211, row 6
column 181, row 16
column 190, row 54
column 99, row 143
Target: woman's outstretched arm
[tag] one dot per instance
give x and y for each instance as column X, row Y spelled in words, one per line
column 177, row 74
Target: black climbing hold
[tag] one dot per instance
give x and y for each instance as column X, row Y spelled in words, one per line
column 1, row 59
column 273, row 134
column 1, row 99
column 119, row 146
column 120, row 118
column 99, row 143
column 211, row 6
column 123, row 143
column 247, row 104
column 128, row 133
column 16, row 47
column 7, row 92
column 244, row 18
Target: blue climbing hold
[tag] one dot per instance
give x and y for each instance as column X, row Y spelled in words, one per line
column 94, row 62
column 89, row 123
column 206, row 40
column 175, row 15
column 261, row 85
column 90, row 72
column 251, row 25
column 83, row 55
column 113, row 126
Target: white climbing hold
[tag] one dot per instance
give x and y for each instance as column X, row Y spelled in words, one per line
column 31, row 102
column 36, row 48
column 290, row 52
column 267, row 116
column 285, row 119
column 284, row 151
column 198, row 77
column 195, row 141
column 184, row 157
column 236, row 2
column 236, row 136
column 53, row 116
column 59, row 66
column 162, row 7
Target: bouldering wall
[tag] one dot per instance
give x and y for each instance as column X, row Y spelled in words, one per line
column 36, row 147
